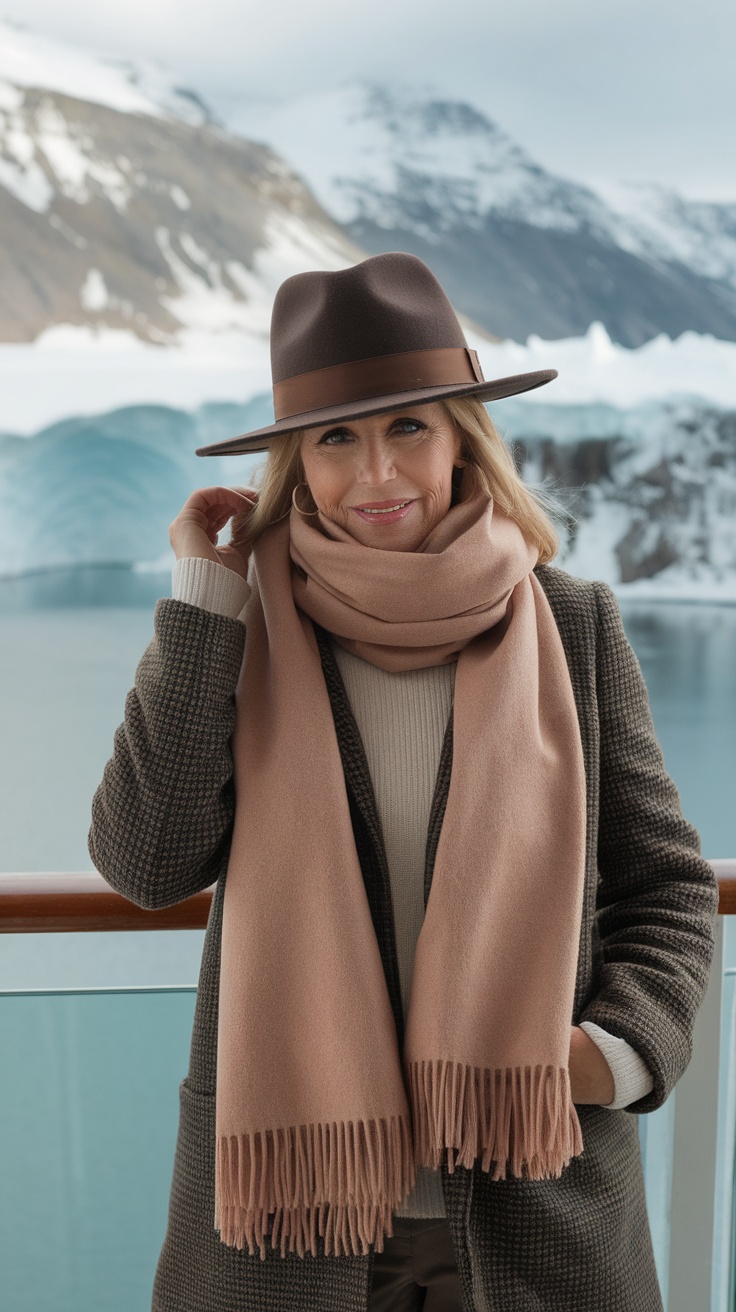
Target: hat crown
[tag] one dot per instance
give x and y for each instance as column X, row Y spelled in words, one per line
column 380, row 335
column 384, row 305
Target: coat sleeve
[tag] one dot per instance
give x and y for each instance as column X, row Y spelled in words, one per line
column 162, row 815
column 657, row 898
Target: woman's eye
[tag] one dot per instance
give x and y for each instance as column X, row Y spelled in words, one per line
column 325, row 439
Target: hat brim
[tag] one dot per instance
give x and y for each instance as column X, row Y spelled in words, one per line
column 490, row 390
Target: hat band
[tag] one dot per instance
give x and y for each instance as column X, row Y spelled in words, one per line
column 359, row 380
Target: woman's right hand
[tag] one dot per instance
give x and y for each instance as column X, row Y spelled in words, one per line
column 207, row 511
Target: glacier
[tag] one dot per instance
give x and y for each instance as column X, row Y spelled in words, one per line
column 644, row 497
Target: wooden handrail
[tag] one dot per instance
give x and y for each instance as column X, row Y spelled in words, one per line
column 48, row 903
column 725, row 871
column 61, row 903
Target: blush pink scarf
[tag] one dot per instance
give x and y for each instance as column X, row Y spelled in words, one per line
column 319, row 1118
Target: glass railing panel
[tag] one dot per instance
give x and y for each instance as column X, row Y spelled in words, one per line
column 657, row 1143
column 656, row 1140
column 154, row 959
column 724, row 1275
column 89, row 1086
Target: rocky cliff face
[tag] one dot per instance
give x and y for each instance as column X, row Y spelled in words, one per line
column 145, row 222
column 655, row 500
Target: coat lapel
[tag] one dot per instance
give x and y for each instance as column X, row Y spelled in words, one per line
column 366, row 824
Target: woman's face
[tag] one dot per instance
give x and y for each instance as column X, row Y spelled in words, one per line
column 381, row 462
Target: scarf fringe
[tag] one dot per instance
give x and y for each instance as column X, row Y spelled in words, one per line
column 341, row 1180
column 522, row 1118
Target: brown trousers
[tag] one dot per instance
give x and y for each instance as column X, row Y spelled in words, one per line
column 417, row 1268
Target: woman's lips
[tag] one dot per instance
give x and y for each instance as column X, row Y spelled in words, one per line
column 383, row 516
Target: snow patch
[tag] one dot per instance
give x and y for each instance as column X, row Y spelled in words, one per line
column 224, row 296
column 80, row 369
column 10, row 97
column 72, row 164
column 595, row 369
column 94, row 295
column 70, row 234
column 20, row 172
column 291, row 247
column 593, row 555
column 180, row 198
column 655, row 222
column 28, row 59
column 28, row 183
column 204, row 300
column 83, row 339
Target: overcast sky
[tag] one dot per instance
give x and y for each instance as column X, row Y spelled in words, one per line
column 636, row 90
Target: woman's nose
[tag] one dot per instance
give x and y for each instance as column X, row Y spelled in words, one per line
column 375, row 464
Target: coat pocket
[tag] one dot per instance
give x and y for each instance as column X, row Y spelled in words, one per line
column 581, row 1240
column 189, row 1264
column 196, row 1272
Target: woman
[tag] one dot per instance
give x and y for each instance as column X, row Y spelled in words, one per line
column 460, row 926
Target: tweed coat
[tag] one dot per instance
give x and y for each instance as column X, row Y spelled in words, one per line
column 161, row 826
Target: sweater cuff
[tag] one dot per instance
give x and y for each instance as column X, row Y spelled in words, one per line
column 209, row 585
column 632, row 1078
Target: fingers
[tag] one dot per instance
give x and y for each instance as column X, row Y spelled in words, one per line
column 239, row 512
column 217, row 504
column 212, row 497
column 210, row 508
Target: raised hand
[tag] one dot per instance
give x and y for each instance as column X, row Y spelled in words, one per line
column 207, row 511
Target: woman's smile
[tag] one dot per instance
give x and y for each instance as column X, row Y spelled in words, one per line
column 383, row 512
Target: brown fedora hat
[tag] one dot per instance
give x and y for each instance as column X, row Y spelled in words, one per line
column 378, row 336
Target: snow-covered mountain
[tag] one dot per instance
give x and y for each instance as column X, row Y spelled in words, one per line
column 646, row 495
column 125, row 205
column 518, row 249
column 122, row 203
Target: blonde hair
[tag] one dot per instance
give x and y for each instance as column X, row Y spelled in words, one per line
column 491, row 469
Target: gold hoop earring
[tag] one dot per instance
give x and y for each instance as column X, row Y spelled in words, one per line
column 296, row 507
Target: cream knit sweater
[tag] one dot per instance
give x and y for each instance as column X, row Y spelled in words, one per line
column 402, row 720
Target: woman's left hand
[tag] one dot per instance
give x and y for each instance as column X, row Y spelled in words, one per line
column 591, row 1079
